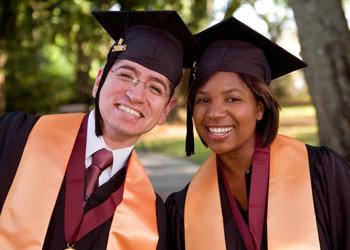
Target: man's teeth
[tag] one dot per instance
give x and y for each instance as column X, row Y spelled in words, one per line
column 220, row 131
column 129, row 110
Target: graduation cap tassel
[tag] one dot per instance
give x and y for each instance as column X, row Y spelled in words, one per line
column 111, row 58
column 189, row 124
column 189, row 135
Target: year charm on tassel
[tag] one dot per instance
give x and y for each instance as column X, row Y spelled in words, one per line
column 69, row 246
column 120, row 46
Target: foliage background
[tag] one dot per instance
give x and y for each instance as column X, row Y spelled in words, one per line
column 51, row 50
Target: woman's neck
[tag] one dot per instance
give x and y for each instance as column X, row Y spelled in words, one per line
column 235, row 166
column 236, row 163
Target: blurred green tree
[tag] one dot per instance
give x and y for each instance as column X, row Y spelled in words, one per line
column 51, row 50
column 48, row 54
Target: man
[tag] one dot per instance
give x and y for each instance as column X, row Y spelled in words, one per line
column 73, row 181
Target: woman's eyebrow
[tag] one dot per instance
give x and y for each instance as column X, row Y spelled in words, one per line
column 233, row 90
column 224, row 91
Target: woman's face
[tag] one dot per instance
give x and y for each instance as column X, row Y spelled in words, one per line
column 225, row 113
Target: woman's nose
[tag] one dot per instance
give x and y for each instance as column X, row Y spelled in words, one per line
column 216, row 110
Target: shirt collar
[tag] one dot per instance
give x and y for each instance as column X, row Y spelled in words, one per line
column 94, row 143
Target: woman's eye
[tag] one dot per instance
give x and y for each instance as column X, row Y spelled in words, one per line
column 201, row 100
column 233, row 99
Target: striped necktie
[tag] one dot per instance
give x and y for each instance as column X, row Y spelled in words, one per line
column 101, row 159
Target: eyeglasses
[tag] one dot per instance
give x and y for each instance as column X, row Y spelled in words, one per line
column 154, row 88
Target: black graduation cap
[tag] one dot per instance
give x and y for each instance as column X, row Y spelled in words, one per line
column 158, row 40
column 232, row 46
column 233, row 39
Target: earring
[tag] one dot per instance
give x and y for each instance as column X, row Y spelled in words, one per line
column 259, row 117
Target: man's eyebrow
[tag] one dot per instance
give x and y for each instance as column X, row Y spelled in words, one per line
column 129, row 67
column 152, row 78
column 157, row 79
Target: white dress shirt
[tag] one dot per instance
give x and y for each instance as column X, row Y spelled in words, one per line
column 94, row 143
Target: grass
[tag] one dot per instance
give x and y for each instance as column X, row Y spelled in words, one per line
column 175, row 147
column 297, row 121
column 296, row 111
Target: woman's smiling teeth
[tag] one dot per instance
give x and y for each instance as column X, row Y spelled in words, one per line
column 129, row 110
column 220, row 130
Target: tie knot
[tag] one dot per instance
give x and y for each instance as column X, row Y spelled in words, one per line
column 102, row 159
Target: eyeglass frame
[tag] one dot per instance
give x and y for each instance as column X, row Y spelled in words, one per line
column 135, row 82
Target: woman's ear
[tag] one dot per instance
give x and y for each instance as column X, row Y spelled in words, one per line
column 260, row 111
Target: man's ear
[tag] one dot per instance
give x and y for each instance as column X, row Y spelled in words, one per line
column 97, row 82
column 170, row 106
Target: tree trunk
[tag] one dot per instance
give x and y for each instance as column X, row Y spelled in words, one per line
column 325, row 45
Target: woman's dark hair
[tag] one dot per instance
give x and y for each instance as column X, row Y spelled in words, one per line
column 267, row 127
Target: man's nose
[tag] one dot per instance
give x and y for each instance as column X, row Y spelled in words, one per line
column 137, row 92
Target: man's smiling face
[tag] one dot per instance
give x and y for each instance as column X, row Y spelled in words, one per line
column 130, row 110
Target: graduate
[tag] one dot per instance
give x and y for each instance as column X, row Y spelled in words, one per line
column 258, row 189
column 73, row 181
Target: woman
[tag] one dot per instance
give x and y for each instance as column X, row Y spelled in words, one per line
column 258, row 190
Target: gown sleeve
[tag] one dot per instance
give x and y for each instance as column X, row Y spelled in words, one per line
column 174, row 205
column 330, row 175
column 14, row 130
column 162, row 224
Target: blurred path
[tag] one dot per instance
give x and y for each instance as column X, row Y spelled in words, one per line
column 167, row 173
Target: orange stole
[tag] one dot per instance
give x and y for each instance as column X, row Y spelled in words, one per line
column 134, row 224
column 28, row 207
column 291, row 220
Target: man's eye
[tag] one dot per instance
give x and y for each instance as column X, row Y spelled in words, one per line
column 156, row 89
column 124, row 76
